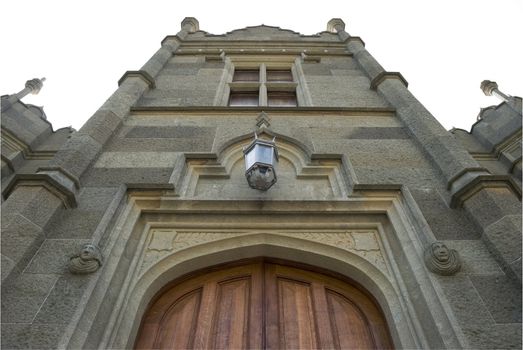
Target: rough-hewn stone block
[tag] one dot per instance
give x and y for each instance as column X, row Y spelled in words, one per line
column 80, row 151
column 501, row 296
column 54, row 255
column 181, row 131
column 74, row 223
column 61, row 303
column 22, row 299
column 468, row 306
column 99, row 177
column 490, row 205
column 20, row 240
column 446, row 223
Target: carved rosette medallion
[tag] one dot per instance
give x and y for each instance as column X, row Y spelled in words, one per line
column 441, row 260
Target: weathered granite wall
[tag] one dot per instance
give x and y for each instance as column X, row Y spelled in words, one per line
column 166, row 133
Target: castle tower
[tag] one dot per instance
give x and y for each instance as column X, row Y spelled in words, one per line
column 262, row 189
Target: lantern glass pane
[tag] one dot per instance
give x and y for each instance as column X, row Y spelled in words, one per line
column 259, row 153
column 250, row 159
column 263, row 154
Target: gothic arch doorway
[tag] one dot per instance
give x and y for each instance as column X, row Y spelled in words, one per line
column 262, row 304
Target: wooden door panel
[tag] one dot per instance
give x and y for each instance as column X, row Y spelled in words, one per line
column 171, row 334
column 263, row 305
column 296, row 315
column 173, row 328
column 349, row 324
column 230, row 324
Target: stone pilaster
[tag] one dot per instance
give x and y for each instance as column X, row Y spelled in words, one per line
column 497, row 211
column 446, row 153
column 35, row 198
column 85, row 145
column 467, row 181
column 24, row 216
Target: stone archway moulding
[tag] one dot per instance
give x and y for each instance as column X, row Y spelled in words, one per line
column 209, row 175
column 334, row 235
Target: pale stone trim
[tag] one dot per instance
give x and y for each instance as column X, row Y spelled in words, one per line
column 138, row 74
column 411, row 298
column 66, row 194
column 14, row 143
column 222, row 93
column 262, row 62
column 303, row 94
column 333, row 170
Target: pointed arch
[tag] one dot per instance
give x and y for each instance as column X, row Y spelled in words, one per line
column 326, row 177
column 271, row 246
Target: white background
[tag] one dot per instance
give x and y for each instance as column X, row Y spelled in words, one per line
column 443, row 48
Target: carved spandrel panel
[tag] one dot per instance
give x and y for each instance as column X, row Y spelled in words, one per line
column 364, row 243
column 161, row 240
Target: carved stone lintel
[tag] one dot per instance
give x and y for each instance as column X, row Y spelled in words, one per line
column 441, row 260
column 87, row 261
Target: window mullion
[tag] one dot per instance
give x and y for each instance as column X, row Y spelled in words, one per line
column 263, row 86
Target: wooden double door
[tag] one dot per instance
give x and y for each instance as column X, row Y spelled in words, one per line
column 263, row 305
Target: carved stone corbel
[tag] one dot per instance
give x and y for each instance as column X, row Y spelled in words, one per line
column 87, row 261
column 441, row 260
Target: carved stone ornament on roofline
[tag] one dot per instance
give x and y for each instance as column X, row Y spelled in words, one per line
column 441, row 260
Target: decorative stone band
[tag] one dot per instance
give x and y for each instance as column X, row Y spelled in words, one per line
column 312, row 110
column 441, row 260
column 139, row 74
column 470, row 181
column 355, row 39
column 54, row 181
column 380, row 78
column 215, row 58
column 88, row 260
column 310, row 59
column 172, row 39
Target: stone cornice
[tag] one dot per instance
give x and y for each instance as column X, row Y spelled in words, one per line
column 264, row 52
column 386, row 112
column 57, row 188
column 262, row 47
column 481, row 182
column 354, row 38
column 62, row 175
column 10, row 140
column 139, row 74
column 380, row 78
column 461, row 177
column 510, row 143
column 176, row 38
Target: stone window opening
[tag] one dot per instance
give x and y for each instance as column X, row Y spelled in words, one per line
column 262, row 86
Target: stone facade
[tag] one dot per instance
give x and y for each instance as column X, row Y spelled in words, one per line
column 96, row 221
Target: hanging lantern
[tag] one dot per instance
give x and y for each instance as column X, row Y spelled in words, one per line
column 260, row 163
